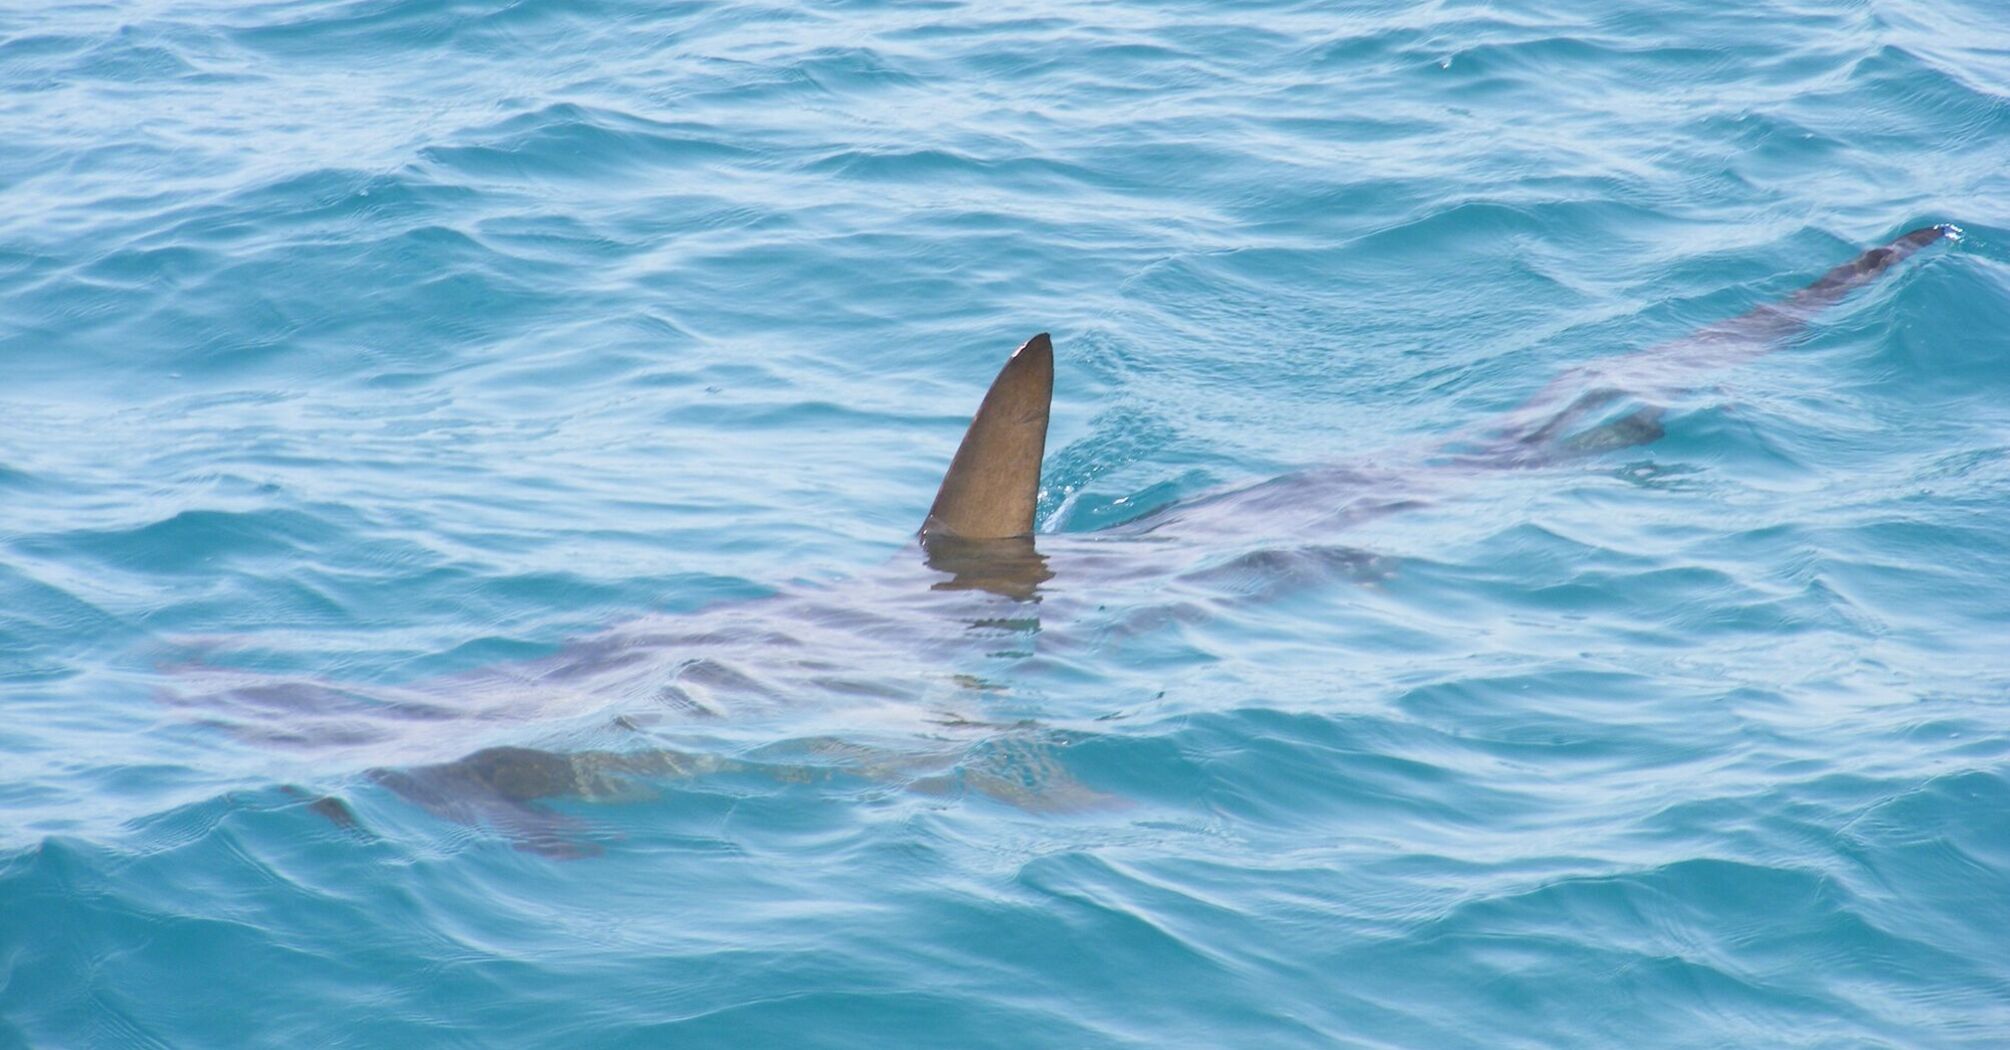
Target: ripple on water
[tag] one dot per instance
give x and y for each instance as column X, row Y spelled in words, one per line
column 459, row 461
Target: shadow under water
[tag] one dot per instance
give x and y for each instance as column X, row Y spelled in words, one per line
column 867, row 679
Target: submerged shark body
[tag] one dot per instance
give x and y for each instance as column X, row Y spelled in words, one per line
column 885, row 643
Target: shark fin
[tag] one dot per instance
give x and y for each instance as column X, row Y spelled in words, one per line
column 1763, row 325
column 1866, row 267
column 994, row 481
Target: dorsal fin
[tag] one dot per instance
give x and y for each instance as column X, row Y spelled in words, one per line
column 994, row 481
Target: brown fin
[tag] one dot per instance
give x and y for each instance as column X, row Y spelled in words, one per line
column 1866, row 267
column 1766, row 324
column 994, row 481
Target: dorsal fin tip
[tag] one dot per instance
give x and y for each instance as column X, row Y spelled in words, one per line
column 993, row 484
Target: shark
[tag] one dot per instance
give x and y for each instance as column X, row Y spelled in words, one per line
column 699, row 695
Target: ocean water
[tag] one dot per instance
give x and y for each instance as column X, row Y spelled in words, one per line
column 461, row 458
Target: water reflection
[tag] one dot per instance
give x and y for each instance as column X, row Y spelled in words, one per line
column 1011, row 568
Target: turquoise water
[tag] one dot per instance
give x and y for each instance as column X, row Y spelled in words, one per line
column 390, row 382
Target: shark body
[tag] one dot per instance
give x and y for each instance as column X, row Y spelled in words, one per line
column 881, row 641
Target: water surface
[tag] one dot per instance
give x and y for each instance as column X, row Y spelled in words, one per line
column 359, row 359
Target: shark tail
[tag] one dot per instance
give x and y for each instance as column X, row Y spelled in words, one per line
column 1547, row 426
column 1839, row 282
column 1778, row 320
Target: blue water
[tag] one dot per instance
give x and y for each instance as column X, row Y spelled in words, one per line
column 358, row 357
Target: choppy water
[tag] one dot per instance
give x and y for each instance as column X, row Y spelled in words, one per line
column 357, row 357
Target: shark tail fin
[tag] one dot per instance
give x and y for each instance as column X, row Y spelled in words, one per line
column 1777, row 320
column 1542, row 428
column 1864, row 269
column 994, row 481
